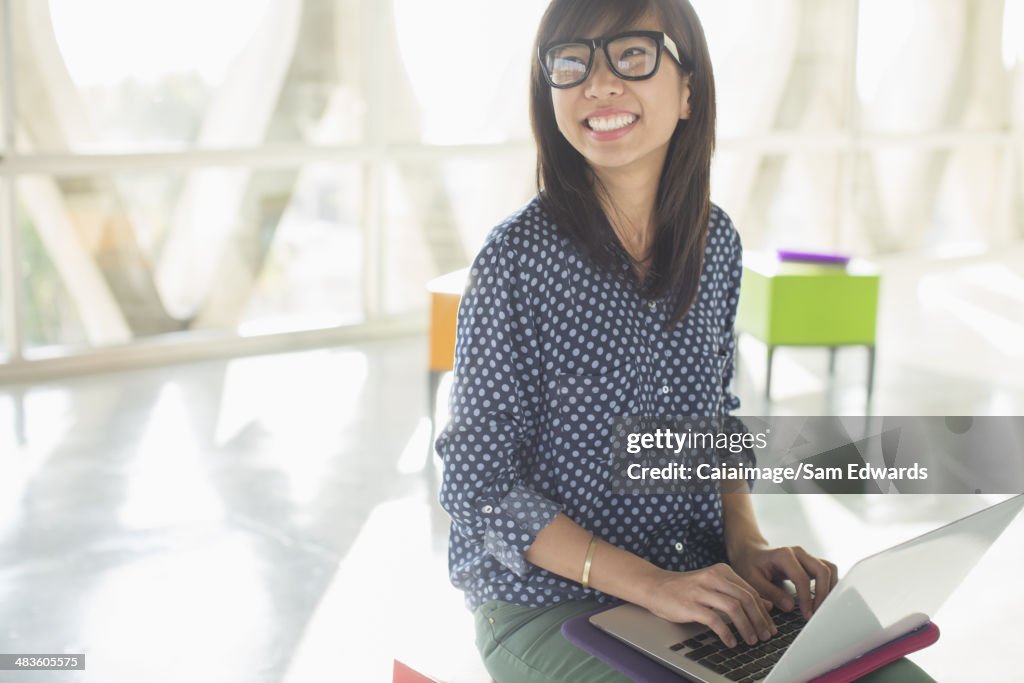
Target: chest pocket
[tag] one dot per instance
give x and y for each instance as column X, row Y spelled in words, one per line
column 585, row 405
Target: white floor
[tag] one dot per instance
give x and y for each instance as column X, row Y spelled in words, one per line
column 274, row 518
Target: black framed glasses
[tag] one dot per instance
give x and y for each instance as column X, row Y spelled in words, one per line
column 632, row 56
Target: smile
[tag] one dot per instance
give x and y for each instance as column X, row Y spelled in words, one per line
column 607, row 123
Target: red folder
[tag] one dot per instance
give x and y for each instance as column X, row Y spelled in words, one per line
column 642, row 669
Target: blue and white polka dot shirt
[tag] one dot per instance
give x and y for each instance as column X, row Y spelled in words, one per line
column 549, row 349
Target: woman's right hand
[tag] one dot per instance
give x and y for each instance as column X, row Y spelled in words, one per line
column 694, row 596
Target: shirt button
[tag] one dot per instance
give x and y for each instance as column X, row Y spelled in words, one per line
column 488, row 509
column 652, row 305
column 665, row 389
column 679, row 547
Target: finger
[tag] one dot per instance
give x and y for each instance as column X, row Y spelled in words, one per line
column 821, row 573
column 760, row 617
column 762, row 583
column 734, row 608
column 746, row 601
column 757, row 611
column 835, row 575
column 793, row 571
column 710, row 618
column 776, row 596
column 833, row 578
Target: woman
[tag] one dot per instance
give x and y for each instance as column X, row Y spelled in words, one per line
column 612, row 293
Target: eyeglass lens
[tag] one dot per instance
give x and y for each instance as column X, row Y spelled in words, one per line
column 630, row 57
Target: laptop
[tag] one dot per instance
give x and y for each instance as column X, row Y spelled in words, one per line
column 884, row 597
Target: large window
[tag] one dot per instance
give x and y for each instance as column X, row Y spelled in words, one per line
column 242, row 168
column 251, row 168
column 870, row 126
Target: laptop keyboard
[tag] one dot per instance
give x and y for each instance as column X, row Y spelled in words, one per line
column 744, row 663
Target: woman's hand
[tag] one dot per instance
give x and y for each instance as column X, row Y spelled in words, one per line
column 694, row 596
column 763, row 568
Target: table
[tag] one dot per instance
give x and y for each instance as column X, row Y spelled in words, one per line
column 784, row 303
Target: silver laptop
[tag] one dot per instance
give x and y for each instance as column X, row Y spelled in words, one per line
column 882, row 598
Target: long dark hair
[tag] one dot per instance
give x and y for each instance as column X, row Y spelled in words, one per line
column 682, row 205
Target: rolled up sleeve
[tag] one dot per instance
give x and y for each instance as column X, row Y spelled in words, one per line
column 494, row 408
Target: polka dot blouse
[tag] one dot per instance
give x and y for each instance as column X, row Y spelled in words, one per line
column 549, row 349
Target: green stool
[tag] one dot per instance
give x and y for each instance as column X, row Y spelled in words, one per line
column 786, row 303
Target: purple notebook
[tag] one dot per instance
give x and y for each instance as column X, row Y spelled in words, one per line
column 638, row 667
column 812, row 257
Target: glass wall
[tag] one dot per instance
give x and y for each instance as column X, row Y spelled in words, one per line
column 247, row 168
column 869, row 126
column 112, row 258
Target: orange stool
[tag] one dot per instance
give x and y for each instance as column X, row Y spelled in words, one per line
column 445, row 296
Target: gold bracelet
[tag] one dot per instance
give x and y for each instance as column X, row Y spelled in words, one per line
column 586, row 563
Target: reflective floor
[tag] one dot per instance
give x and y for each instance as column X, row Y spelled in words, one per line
column 273, row 518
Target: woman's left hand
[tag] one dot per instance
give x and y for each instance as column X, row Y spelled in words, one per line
column 763, row 568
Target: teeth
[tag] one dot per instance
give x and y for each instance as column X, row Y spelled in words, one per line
column 607, row 123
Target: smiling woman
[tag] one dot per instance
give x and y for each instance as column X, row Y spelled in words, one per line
column 613, row 293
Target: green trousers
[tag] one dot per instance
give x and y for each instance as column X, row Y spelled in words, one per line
column 525, row 645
